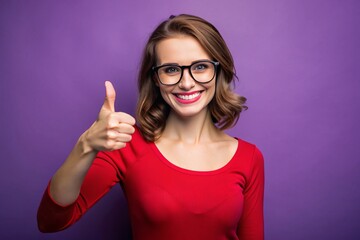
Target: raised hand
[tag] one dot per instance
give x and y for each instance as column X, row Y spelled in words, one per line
column 112, row 130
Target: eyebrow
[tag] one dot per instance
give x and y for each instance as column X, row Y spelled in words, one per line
column 177, row 64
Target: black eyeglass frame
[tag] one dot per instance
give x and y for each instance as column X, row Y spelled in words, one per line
column 156, row 68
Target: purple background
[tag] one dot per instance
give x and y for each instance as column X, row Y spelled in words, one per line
column 298, row 64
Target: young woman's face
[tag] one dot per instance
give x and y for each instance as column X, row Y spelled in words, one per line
column 187, row 98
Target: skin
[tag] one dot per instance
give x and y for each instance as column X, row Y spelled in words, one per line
column 184, row 51
column 190, row 140
column 111, row 131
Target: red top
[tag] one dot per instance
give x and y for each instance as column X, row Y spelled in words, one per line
column 169, row 202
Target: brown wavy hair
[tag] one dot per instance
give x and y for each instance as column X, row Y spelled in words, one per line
column 152, row 111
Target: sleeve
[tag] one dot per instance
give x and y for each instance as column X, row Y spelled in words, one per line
column 251, row 225
column 101, row 177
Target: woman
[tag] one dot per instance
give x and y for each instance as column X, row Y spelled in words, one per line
column 183, row 177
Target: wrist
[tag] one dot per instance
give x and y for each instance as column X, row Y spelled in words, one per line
column 84, row 144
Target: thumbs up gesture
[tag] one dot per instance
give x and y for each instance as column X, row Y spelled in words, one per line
column 112, row 130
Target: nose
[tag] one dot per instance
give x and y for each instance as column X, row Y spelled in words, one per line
column 186, row 81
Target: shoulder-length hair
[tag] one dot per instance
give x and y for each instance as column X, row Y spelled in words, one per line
column 152, row 111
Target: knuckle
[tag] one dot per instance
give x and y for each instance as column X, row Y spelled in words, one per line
column 109, row 144
column 109, row 134
column 112, row 115
column 110, row 125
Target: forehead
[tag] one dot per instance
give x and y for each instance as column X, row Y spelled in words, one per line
column 180, row 49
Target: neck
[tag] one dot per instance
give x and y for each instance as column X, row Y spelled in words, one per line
column 191, row 130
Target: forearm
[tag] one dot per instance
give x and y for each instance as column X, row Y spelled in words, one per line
column 66, row 183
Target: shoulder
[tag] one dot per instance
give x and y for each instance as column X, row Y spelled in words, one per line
column 138, row 145
column 247, row 146
column 122, row 159
column 250, row 162
column 249, row 153
column 137, row 137
column 133, row 149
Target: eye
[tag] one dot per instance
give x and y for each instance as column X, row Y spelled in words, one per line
column 170, row 70
column 201, row 66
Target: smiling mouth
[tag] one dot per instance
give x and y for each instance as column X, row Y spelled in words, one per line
column 188, row 96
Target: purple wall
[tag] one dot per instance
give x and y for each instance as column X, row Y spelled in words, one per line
column 298, row 64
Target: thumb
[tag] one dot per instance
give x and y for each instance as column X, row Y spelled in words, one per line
column 110, row 96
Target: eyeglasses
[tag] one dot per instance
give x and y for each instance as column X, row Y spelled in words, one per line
column 202, row 71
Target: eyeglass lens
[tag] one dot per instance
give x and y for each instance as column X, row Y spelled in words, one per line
column 200, row 71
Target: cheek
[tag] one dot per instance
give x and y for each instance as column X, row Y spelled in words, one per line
column 211, row 88
column 165, row 94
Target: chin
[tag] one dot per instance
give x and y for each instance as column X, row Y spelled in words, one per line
column 187, row 112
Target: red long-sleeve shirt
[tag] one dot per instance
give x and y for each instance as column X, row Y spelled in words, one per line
column 169, row 202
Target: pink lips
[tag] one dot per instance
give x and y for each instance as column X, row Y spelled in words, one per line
column 187, row 98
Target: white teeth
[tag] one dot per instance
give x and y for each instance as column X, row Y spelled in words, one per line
column 188, row 97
